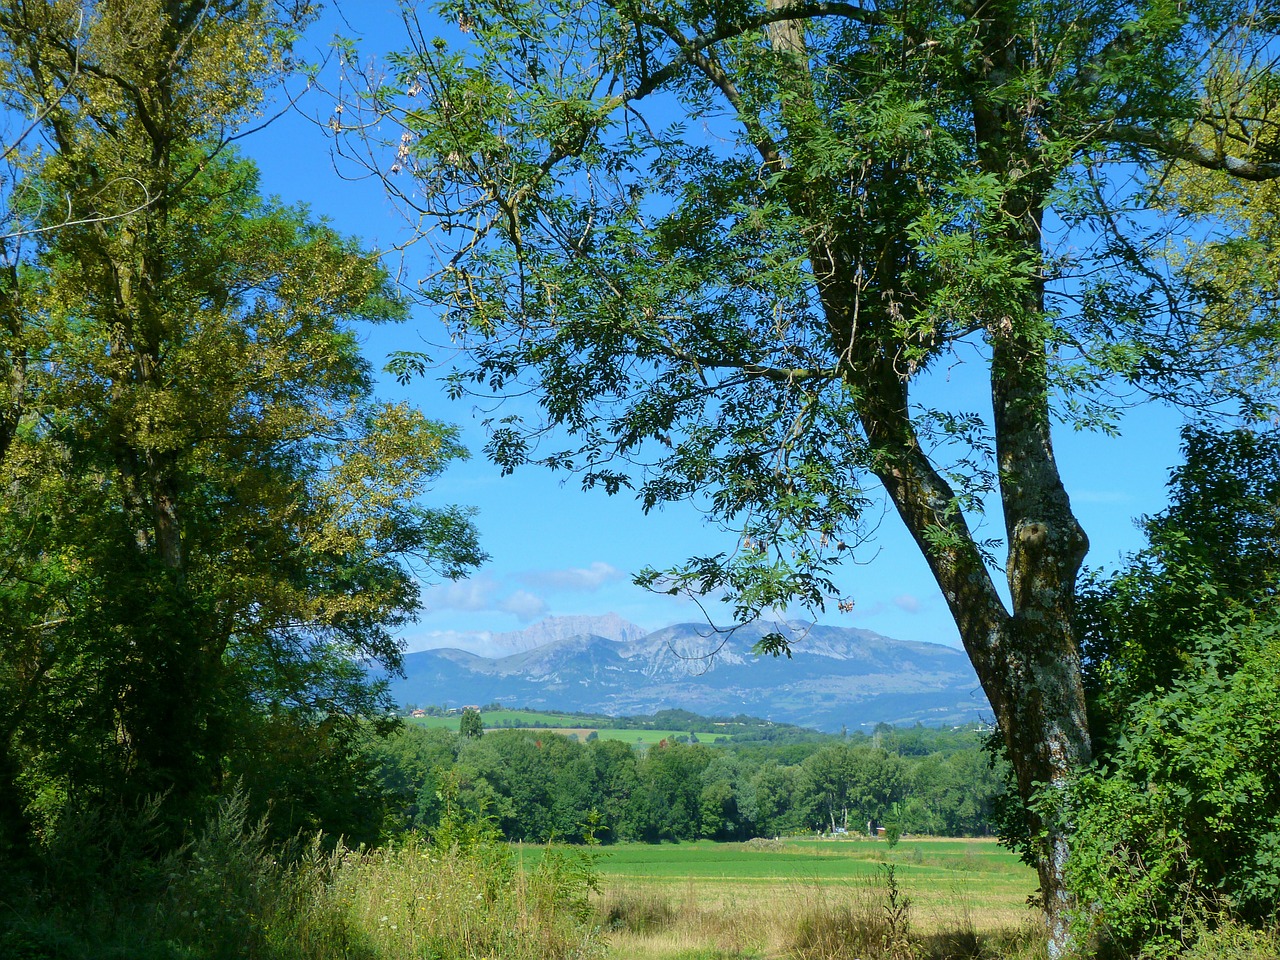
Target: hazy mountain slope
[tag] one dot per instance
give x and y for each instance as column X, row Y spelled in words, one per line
column 837, row 676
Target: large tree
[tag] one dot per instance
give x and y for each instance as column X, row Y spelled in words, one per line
column 721, row 240
column 209, row 521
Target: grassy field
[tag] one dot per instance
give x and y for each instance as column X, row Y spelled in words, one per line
column 694, row 901
column 563, row 724
column 506, row 718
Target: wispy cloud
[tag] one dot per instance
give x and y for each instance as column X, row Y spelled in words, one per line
column 477, row 593
column 907, row 603
column 572, row 579
column 483, row 593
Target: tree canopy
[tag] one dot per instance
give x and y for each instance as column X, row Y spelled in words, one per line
column 722, row 243
column 210, row 523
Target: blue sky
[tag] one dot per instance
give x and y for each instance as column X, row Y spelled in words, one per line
column 559, row 551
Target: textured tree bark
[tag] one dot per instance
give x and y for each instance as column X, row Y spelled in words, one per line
column 1026, row 658
column 13, row 360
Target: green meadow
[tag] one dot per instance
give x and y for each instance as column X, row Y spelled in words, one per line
column 706, row 899
column 988, row 871
column 563, row 724
column 505, row 718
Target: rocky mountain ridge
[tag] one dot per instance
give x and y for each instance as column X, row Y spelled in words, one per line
column 837, row 677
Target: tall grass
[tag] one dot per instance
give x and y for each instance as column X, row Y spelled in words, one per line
column 228, row 895
column 867, row 919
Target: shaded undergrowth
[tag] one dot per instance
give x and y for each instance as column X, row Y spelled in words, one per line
column 230, row 894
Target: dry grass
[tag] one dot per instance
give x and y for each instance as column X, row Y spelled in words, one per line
column 695, row 923
column 853, row 920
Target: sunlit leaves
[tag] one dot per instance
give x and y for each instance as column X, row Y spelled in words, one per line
column 1180, row 822
column 212, row 519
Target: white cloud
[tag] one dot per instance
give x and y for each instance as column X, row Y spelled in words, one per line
column 481, row 594
column 474, row 594
column 525, row 605
column 574, row 579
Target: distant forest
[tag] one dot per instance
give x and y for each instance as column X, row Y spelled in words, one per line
column 764, row 780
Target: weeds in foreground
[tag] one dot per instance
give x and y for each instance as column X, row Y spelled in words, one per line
column 636, row 910
column 874, row 921
column 228, row 895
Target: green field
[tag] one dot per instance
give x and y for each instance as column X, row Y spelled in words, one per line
column 506, row 718
column 563, row 724
column 749, row 895
column 979, row 863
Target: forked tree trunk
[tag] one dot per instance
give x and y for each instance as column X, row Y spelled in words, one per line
column 1027, row 660
column 1027, row 657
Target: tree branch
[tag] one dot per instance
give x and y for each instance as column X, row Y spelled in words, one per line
column 1195, row 153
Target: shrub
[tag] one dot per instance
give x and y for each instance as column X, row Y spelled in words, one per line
column 1182, row 825
column 230, row 894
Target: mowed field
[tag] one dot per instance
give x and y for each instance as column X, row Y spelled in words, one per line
column 746, row 899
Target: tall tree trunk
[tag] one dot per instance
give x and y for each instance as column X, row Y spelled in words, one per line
column 1027, row 658
column 165, row 710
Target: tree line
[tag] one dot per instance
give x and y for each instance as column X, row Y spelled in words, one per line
column 538, row 786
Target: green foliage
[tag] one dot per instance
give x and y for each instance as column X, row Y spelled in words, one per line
column 1212, row 556
column 1180, row 824
column 1176, row 826
column 210, row 522
column 847, row 786
column 471, row 725
column 1211, row 565
column 228, row 893
column 737, row 312
column 535, row 786
column 732, row 250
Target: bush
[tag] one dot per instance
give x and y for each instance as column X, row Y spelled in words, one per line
column 1182, row 825
column 1229, row 940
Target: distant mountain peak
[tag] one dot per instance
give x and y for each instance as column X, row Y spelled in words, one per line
column 839, row 676
column 553, row 629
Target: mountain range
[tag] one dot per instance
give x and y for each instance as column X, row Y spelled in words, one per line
column 837, row 676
